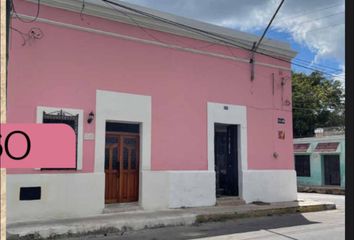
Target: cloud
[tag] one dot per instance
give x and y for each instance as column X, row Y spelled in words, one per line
column 318, row 24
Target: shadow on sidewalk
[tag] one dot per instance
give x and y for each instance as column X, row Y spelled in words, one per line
column 213, row 229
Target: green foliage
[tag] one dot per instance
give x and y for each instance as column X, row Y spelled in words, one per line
column 317, row 102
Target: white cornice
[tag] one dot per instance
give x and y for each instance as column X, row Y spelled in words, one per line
column 151, row 42
column 99, row 9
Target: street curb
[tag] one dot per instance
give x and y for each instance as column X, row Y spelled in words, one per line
column 113, row 229
column 106, row 229
column 202, row 218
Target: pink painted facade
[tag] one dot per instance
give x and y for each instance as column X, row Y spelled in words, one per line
column 67, row 66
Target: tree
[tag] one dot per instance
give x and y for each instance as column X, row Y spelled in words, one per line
column 317, row 102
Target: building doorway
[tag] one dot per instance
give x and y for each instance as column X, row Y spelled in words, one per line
column 226, row 159
column 122, row 162
column 331, row 169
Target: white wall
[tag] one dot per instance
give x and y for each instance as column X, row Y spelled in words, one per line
column 191, row 188
column 62, row 196
column 269, row 185
column 174, row 189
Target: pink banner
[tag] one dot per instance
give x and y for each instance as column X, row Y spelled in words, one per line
column 37, row 146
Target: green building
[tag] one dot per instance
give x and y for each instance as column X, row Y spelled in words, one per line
column 320, row 160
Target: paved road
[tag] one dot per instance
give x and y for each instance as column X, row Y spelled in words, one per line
column 326, row 225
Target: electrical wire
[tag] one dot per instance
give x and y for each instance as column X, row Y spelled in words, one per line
column 22, row 34
column 318, row 65
column 24, row 21
column 38, row 35
column 136, row 23
column 326, row 16
column 317, row 29
column 152, row 35
column 82, row 10
column 33, row 33
column 214, row 36
column 268, row 26
column 310, row 11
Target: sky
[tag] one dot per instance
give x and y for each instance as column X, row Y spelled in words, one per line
column 314, row 28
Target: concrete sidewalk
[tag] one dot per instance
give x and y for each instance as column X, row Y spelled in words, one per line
column 336, row 190
column 140, row 219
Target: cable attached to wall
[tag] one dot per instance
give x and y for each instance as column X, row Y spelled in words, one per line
column 22, row 20
column 82, row 10
column 32, row 34
column 217, row 37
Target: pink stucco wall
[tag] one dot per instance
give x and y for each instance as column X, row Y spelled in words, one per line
column 66, row 67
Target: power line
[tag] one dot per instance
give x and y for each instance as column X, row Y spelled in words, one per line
column 303, row 13
column 151, row 34
column 214, row 36
column 326, row 16
column 318, row 65
column 317, row 29
column 256, row 44
column 268, row 26
column 82, row 10
column 137, row 24
column 327, row 69
column 154, row 37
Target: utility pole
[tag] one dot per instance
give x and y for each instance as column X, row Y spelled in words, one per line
column 256, row 44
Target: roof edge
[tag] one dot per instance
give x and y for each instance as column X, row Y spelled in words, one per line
column 270, row 47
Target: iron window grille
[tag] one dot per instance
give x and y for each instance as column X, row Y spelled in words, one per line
column 65, row 118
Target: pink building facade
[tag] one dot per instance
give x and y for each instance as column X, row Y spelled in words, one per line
column 176, row 120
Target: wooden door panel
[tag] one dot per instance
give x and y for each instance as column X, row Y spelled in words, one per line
column 133, row 190
column 112, row 166
column 124, row 186
column 122, row 168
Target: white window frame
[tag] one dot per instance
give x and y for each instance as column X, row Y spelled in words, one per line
column 80, row 113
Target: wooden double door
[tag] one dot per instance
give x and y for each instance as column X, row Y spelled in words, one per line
column 122, row 167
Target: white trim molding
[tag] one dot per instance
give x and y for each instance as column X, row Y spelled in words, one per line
column 234, row 114
column 80, row 112
column 228, row 114
column 124, row 108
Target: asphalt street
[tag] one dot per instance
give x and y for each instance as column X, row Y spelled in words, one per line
column 325, row 225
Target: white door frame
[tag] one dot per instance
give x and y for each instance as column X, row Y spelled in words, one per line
column 124, row 108
column 228, row 114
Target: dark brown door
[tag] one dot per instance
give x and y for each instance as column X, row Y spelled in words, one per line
column 122, row 167
column 331, row 169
